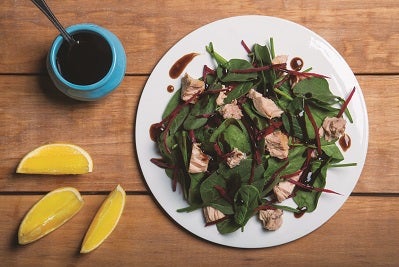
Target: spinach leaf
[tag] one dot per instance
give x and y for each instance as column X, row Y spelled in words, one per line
column 210, row 196
column 309, row 199
column 205, row 105
column 262, row 57
column 178, row 120
column 235, row 137
column 194, row 194
column 226, row 73
column 245, row 202
column 332, row 151
column 315, row 89
column 227, row 226
column 259, row 121
column 172, row 104
column 240, row 90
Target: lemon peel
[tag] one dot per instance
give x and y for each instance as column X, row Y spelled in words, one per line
column 105, row 220
column 49, row 213
column 56, row 159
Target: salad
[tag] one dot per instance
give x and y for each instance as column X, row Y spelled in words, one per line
column 249, row 134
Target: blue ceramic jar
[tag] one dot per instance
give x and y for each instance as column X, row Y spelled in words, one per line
column 95, row 89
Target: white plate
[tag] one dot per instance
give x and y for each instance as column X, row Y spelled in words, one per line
column 289, row 39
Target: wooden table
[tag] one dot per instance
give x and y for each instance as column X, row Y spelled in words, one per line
column 363, row 233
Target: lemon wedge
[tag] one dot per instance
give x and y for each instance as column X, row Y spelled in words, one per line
column 56, row 159
column 49, row 213
column 105, row 220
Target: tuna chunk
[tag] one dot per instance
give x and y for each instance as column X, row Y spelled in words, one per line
column 235, row 158
column 281, row 59
column 198, row 161
column 211, row 214
column 332, row 128
column 231, row 111
column 220, row 99
column 265, row 106
column 272, row 219
column 283, row 190
column 191, row 87
column 277, row 144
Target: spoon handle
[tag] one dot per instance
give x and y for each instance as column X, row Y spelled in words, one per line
column 42, row 5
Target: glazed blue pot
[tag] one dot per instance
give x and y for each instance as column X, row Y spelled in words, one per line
column 109, row 82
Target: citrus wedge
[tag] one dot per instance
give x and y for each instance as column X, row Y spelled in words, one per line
column 49, row 213
column 56, row 159
column 105, row 220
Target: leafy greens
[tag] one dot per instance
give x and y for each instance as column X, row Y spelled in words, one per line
column 241, row 191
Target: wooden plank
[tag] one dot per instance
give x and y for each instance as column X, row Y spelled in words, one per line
column 381, row 170
column 39, row 114
column 360, row 234
column 364, row 33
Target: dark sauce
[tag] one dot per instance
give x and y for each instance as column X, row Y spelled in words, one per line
column 296, row 63
column 156, row 130
column 345, row 142
column 300, row 212
column 170, row 88
column 86, row 62
column 180, row 65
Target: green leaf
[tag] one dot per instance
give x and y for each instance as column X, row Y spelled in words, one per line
column 227, row 226
column 226, row 74
column 235, row 137
column 245, row 202
column 332, row 150
column 194, row 194
column 205, row 105
column 309, row 199
column 260, row 121
column 240, row 90
column 315, row 89
column 172, row 104
column 178, row 120
column 262, row 57
column 219, row 59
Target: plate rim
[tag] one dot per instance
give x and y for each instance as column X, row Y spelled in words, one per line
column 226, row 20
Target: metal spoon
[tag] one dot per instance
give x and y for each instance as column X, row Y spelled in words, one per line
column 42, row 5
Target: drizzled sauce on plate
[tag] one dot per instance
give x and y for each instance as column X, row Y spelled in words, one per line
column 178, row 67
column 345, row 142
column 296, row 63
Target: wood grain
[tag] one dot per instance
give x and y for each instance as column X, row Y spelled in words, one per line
column 132, row 244
column 364, row 33
column 40, row 114
column 32, row 112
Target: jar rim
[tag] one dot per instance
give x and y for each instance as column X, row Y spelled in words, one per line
column 78, row 28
